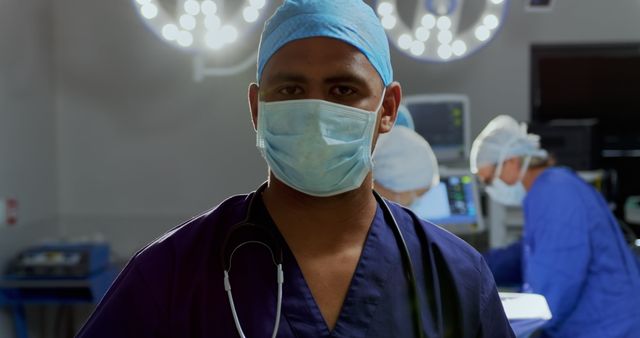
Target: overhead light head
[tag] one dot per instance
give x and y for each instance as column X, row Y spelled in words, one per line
column 435, row 34
column 198, row 26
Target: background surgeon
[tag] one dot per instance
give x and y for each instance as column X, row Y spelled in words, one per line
column 324, row 93
column 573, row 251
column 404, row 166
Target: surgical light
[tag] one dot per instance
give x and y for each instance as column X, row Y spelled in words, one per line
column 459, row 47
column 190, row 24
column 207, row 28
column 417, row 47
column 208, row 7
column 482, row 33
column 445, row 37
column 385, row 8
column 491, row 21
column 214, row 39
column 441, row 19
column 229, row 34
column 170, row 32
column 185, row 39
column 389, row 21
column 428, row 21
column 404, row 41
column 444, row 23
column 149, row 11
column 250, row 14
column 192, row 7
column 212, row 22
column 423, row 33
column 444, row 52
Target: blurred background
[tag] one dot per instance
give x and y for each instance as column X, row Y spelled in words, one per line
column 107, row 135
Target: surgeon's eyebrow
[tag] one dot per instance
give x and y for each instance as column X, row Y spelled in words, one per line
column 281, row 77
column 287, row 77
column 353, row 79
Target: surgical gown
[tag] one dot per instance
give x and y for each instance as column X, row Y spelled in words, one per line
column 575, row 255
column 174, row 286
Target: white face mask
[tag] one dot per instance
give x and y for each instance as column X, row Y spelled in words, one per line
column 503, row 193
column 317, row 147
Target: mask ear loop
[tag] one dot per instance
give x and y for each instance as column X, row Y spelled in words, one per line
column 372, row 147
column 384, row 92
column 525, row 167
column 503, row 155
column 501, row 159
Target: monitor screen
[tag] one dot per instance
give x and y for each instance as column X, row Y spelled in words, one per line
column 450, row 202
column 587, row 81
column 442, row 121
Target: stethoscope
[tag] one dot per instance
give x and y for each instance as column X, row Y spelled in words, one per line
column 269, row 238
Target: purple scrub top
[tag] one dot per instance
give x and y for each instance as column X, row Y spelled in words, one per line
column 174, row 286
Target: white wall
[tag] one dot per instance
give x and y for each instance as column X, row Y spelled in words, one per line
column 101, row 122
column 142, row 146
column 27, row 127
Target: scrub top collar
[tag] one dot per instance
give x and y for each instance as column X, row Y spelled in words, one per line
column 365, row 290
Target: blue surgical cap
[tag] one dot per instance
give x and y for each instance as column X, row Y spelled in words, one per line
column 404, row 117
column 351, row 21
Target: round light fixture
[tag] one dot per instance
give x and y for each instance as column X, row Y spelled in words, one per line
column 198, row 26
column 209, row 29
column 435, row 34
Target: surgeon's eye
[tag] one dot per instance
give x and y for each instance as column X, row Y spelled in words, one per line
column 340, row 91
column 290, row 91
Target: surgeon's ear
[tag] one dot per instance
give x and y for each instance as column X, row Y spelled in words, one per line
column 390, row 103
column 253, row 103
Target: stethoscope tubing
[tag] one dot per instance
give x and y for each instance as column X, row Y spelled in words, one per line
column 277, row 258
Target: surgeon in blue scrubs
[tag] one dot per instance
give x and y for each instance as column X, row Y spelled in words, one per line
column 324, row 93
column 573, row 251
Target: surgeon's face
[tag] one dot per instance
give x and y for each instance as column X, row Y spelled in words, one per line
column 510, row 172
column 325, row 69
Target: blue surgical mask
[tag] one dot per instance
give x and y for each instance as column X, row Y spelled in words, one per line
column 316, row 147
column 503, row 193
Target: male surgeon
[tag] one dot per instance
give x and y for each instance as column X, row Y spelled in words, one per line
column 573, row 251
column 313, row 252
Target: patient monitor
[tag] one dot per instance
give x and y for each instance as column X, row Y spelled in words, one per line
column 443, row 120
column 453, row 203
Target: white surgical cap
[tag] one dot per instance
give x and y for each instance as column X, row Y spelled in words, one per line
column 501, row 139
column 404, row 117
column 403, row 161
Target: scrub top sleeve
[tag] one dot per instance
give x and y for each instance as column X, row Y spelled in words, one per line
column 127, row 310
column 558, row 257
column 506, row 264
column 493, row 320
